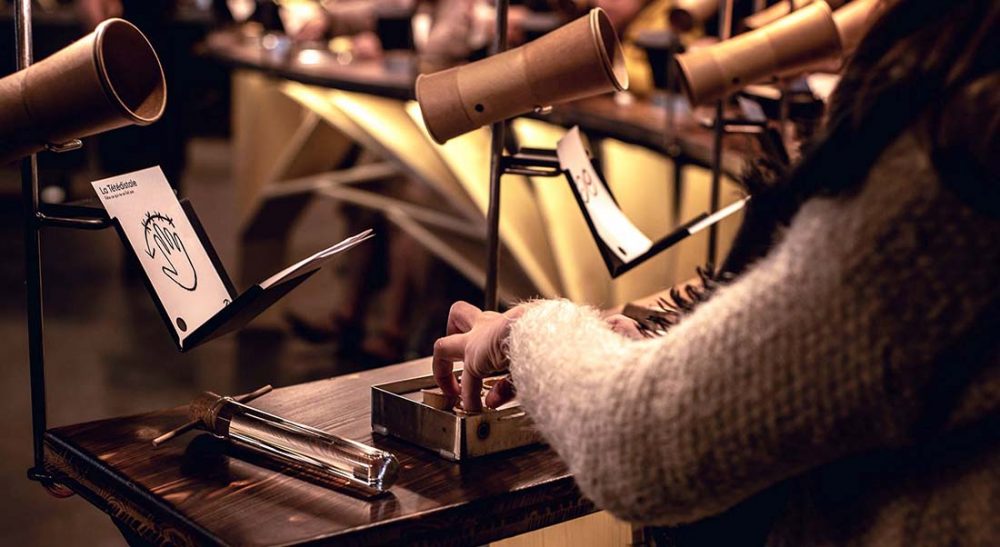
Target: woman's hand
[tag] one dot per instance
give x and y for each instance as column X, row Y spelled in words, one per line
column 625, row 326
column 476, row 338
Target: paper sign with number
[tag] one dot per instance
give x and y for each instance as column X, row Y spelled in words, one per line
column 610, row 223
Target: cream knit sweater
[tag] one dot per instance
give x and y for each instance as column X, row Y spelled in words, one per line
column 812, row 366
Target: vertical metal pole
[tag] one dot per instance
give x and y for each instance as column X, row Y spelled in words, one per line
column 783, row 87
column 672, row 146
column 32, row 254
column 492, row 299
column 725, row 28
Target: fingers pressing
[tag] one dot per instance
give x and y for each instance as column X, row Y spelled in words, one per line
column 461, row 316
column 447, row 351
column 624, row 326
column 472, row 391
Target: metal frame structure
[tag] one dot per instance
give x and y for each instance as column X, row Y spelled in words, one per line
column 499, row 135
column 501, row 164
column 34, row 220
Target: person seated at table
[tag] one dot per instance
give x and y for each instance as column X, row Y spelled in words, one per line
column 448, row 35
column 457, row 29
column 845, row 382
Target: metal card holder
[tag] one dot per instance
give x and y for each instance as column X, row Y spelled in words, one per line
column 536, row 162
column 397, row 411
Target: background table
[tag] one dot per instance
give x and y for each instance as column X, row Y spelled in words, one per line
column 637, row 122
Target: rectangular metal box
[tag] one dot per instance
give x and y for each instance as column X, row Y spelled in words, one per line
column 398, row 410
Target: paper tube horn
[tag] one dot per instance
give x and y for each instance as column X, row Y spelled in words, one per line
column 577, row 60
column 108, row 79
column 774, row 12
column 853, row 21
column 684, row 15
column 806, row 38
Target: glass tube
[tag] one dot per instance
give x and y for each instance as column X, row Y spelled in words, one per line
column 314, row 452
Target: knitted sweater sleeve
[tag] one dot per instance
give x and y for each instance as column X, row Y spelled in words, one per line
column 821, row 350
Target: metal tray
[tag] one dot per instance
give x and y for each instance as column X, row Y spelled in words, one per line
column 398, row 410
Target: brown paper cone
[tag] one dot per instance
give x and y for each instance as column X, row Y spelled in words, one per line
column 853, row 21
column 792, row 44
column 774, row 12
column 686, row 14
column 577, row 60
column 108, row 79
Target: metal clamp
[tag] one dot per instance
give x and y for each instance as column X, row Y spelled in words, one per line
column 67, row 146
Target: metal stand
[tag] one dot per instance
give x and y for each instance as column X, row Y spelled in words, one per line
column 671, row 144
column 725, row 29
column 34, row 221
column 499, row 130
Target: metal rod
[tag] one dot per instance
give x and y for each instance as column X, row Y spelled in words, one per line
column 719, row 129
column 32, row 255
column 492, row 300
column 672, row 144
column 302, row 450
column 725, row 28
column 43, row 219
column 784, row 88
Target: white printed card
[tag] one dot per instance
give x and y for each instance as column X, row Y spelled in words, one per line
column 610, row 223
column 183, row 276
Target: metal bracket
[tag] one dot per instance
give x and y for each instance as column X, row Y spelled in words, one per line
column 67, row 146
column 72, row 222
column 531, row 162
column 49, row 483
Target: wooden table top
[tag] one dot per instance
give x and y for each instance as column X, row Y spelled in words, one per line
column 192, row 491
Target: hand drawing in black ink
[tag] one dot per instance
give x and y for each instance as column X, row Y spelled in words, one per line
column 162, row 240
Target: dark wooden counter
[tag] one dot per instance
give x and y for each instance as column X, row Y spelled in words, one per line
column 192, row 491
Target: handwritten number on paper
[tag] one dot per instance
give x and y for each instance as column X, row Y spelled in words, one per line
column 586, row 186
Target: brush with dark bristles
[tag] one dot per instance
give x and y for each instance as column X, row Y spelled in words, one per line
column 656, row 322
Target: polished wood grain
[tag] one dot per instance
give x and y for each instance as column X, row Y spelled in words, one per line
column 195, row 491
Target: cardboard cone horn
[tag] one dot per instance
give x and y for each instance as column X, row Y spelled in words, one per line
column 852, row 19
column 774, row 12
column 853, row 22
column 684, row 15
column 793, row 44
column 108, row 79
column 580, row 59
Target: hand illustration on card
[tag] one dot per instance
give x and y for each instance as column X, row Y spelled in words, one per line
column 164, row 245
